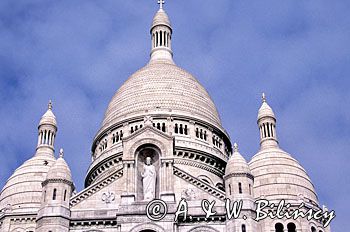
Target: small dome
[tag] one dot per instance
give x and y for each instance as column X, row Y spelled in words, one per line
column 60, row 170
column 161, row 18
column 237, row 163
column 265, row 110
column 277, row 176
column 48, row 117
column 23, row 190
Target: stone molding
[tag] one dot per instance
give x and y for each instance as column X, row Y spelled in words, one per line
column 215, row 192
column 248, row 175
column 58, row 180
column 92, row 189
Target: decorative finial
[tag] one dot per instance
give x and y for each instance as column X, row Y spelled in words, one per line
column 50, row 105
column 161, row 2
column 235, row 147
column 61, row 153
column 263, row 97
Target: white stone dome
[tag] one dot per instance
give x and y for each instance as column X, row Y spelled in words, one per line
column 161, row 18
column 265, row 110
column 278, row 176
column 161, row 87
column 60, row 170
column 23, row 190
column 48, row 118
column 237, row 164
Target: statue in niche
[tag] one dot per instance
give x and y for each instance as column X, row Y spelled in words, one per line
column 149, row 176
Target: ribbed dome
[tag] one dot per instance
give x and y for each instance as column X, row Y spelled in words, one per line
column 23, row 190
column 60, row 170
column 48, row 117
column 161, row 87
column 237, row 164
column 265, row 110
column 279, row 176
column 161, row 18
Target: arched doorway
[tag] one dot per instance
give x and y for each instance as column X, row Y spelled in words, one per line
column 279, row 227
column 144, row 151
column 291, row 227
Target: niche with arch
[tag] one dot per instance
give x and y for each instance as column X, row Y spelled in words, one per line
column 144, row 151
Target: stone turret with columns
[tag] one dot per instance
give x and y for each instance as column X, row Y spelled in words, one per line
column 47, row 132
column 239, row 187
column 57, row 189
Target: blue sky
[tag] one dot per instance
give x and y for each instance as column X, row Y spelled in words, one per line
column 78, row 53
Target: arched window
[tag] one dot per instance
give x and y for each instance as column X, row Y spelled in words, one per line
column 268, row 129
column 313, row 229
column 45, row 137
column 181, row 129
column 54, row 194
column 185, row 130
column 197, row 133
column 161, row 38
column 176, row 128
column 65, row 195
column 163, row 127
column 201, row 134
column 264, row 130
column 157, row 39
column 243, row 228
column 240, row 187
column 250, row 189
column 164, row 34
column 205, row 135
column 291, row 227
column 229, row 188
column 279, row 227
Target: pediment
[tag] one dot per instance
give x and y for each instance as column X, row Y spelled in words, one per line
column 148, row 135
column 148, row 131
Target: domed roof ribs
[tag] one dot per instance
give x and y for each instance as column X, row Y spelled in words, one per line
column 267, row 125
column 237, row 163
column 60, row 169
column 161, row 34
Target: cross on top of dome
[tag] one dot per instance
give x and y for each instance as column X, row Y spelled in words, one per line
column 49, row 106
column 161, row 2
column 235, row 147
column 61, row 153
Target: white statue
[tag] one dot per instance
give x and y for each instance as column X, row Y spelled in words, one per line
column 149, row 180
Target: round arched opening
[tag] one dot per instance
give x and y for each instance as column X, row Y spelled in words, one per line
column 291, row 227
column 279, row 227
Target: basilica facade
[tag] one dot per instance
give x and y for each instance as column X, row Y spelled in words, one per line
column 161, row 138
